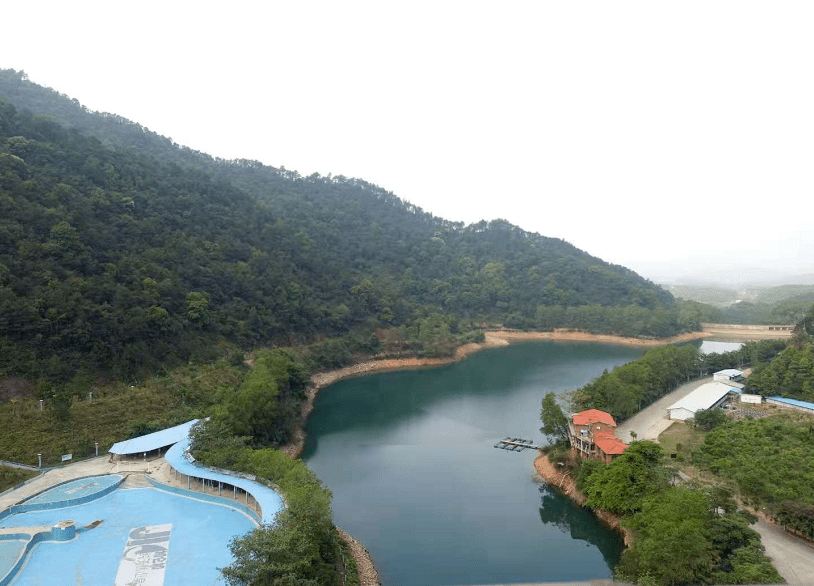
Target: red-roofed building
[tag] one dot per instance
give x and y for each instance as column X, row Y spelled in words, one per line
column 592, row 434
column 594, row 416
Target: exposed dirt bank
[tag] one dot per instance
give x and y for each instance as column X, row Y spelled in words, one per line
column 574, row 336
column 321, row 380
column 566, row 483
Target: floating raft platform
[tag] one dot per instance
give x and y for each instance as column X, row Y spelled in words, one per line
column 515, row 444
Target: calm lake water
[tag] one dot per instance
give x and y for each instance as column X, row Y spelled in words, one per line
column 410, row 459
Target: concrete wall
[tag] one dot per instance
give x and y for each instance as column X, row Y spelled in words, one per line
column 747, row 331
column 680, row 414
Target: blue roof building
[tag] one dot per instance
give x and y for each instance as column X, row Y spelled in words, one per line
column 153, row 441
column 791, row 404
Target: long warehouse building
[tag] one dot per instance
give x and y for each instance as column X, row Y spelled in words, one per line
column 704, row 397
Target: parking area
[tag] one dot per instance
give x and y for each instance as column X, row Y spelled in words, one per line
column 651, row 421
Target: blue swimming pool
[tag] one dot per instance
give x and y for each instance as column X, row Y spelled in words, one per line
column 159, row 537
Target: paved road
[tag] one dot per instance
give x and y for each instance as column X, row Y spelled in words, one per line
column 651, row 421
column 793, row 558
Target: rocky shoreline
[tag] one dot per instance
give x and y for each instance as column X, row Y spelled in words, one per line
column 368, row 575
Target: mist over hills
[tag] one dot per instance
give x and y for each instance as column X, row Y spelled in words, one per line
column 753, row 277
column 123, row 251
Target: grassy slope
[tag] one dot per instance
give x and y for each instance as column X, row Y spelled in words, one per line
column 11, row 477
column 116, row 413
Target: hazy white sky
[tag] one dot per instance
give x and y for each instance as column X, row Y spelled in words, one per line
column 669, row 137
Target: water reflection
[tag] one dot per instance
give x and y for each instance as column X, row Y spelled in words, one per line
column 579, row 522
column 409, row 457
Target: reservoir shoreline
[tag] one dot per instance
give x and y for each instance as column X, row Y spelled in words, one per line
column 492, row 339
column 368, row 574
column 565, row 483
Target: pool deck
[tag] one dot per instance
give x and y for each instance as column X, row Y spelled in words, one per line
column 157, row 468
column 59, row 487
column 49, row 478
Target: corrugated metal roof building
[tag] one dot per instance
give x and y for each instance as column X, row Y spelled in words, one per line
column 732, row 374
column 704, row 397
column 791, row 404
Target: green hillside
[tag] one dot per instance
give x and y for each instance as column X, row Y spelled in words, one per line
column 121, row 251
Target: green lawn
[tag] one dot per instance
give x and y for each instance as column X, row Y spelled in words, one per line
column 681, row 438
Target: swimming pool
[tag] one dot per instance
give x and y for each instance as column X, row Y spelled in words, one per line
column 159, row 537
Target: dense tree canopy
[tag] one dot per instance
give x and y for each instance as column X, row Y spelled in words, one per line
column 629, row 387
column 770, row 459
column 791, row 374
column 682, row 537
column 555, row 423
column 122, row 251
column 622, row 486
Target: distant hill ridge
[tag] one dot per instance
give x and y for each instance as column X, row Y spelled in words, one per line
column 121, row 250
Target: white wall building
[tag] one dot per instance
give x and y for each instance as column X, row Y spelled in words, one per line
column 755, row 399
column 732, row 374
column 704, row 397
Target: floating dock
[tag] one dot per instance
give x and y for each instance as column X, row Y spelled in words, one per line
column 515, row 444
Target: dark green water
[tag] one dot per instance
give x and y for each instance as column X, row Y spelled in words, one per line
column 409, row 457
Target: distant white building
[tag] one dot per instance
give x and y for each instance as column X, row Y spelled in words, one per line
column 730, row 374
column 704, row 397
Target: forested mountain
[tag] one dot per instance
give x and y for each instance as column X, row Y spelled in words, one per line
column 121, row 251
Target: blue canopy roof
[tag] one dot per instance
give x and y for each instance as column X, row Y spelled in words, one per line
column 795, row 402
column 270, row 502
column 153, row 441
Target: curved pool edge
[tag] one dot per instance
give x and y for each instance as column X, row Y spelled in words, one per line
column 25, row 505
column 31, row 536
